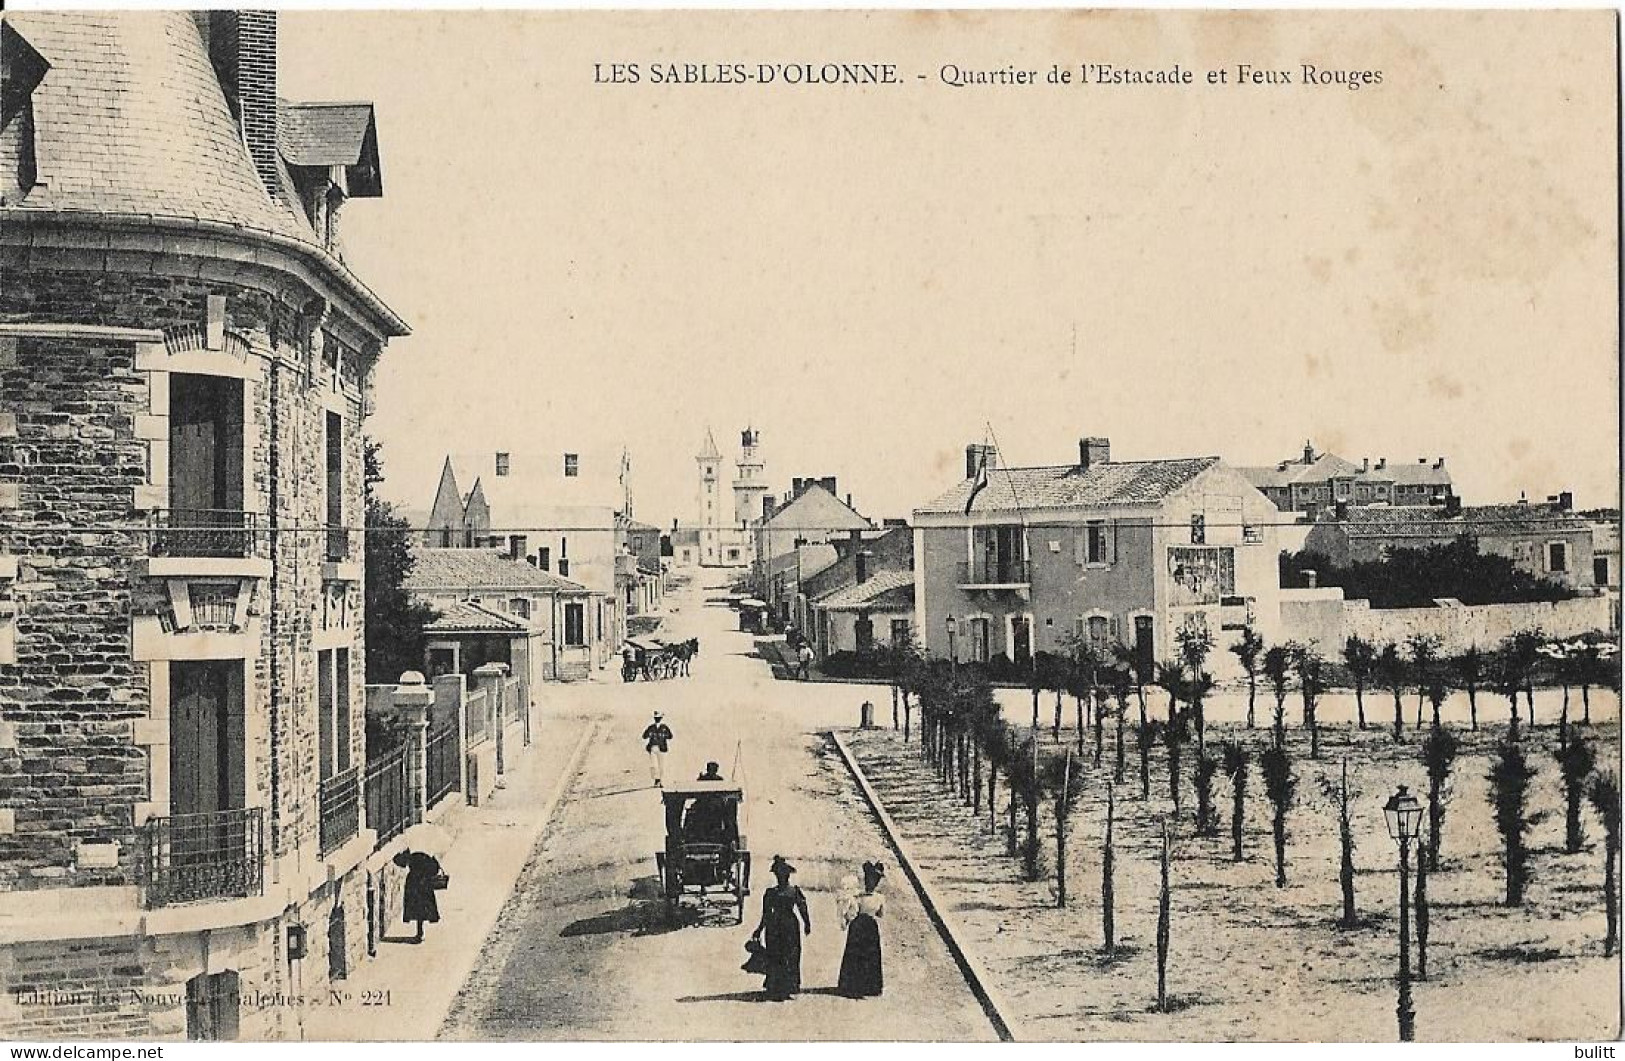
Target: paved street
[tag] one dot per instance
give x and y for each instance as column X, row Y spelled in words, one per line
column 584, row 949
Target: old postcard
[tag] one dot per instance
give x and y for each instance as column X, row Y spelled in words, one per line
column 897, row 525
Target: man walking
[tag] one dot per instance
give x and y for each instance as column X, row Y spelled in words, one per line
column 804, row 661
column 657, row 738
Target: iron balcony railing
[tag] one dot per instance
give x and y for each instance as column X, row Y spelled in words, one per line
column 215, row 855
column 986, row 572
column 444, row 768
column 203, row 533
column 340, row 808
column 389, row 794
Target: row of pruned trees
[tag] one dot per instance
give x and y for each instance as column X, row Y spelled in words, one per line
column 974, row 751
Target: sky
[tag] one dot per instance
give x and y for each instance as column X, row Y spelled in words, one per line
column 876, row 276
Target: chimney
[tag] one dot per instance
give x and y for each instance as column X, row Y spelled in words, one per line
column 1093, row 451
column 828, row 483
column 855, row 540
column 1421, row 460
column 975, row 454
column 860, row 566
column 1565, row 501
column 767, row 507
column 1365, row 464
column 1439, row 463
column 1382, row 462
column 1308, row 452
column 797, row 484
column 242, row 49
column 849, row 501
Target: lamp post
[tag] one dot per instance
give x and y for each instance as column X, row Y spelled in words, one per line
column 1404, row 815
column 953, row 652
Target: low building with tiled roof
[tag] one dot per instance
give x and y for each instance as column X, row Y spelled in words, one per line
column 1011, row 561
column 1546, row 540
column 864, row 599
column 548, row 629
column 186, row 355
column 1319, row 482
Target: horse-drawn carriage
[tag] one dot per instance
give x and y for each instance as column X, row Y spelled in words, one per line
column 653, row 659
column 704, row 853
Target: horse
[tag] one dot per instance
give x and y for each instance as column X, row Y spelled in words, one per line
column 686, row 651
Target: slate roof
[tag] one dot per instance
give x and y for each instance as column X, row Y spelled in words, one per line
column 326, row 134
column 1069, row 486
column 477, row 569
column 1432, row 521
column 883, row 589
column 469, row 617
column 131, row 120
column 1331, row 466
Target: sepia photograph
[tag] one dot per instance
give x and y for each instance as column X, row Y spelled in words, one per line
column 937, row 526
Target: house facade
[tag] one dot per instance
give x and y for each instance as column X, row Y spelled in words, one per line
column 810, row 514
column 567, row 511
column 1318, row 482
column 864, row 601
column 185, row 364
column 1011, row 561
column 1546, row 540
column 497, row 609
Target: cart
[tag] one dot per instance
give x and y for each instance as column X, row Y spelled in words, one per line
column 705, row 854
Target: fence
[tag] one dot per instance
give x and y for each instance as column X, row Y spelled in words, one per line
column 390, row 808
column 445, row 762
column 341, row 808
column 479, row 707
column 217, row 855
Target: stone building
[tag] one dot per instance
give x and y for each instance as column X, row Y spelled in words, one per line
column 1318, row 482
column 1011, row 560
column 184, row 368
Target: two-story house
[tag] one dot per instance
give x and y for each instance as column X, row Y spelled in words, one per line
column 185, row 363
column 567, row 510
column 1011, row 560
column 865, row 600
column 810, row 514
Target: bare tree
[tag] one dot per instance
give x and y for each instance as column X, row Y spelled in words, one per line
column 1108, row 867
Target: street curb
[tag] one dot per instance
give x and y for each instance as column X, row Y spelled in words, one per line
column 463, row 970
column 976, row 977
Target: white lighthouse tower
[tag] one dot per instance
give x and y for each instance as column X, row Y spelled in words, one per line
column 712, row 518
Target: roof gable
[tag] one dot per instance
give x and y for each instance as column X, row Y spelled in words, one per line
column 480, row 569
column 816, row 509
column 332, row 134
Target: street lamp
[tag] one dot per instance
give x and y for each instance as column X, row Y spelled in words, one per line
column 1404, row 816
column 953, row 654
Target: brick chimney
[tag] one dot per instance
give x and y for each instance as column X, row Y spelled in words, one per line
column 242, row 49
column 1093, row 451
column 975, row 454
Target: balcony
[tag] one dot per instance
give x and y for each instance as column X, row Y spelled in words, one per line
column 196, row 857
column 992, row 574
column 341, row 809
column 203, row 533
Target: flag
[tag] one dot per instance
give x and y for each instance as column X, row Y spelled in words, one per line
column 980, row 482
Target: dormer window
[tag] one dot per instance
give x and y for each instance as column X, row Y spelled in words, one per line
column 21, row 70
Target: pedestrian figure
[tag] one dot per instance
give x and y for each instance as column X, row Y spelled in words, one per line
column 713, row 772
column 657, row 737
column 804, row 660
column 861, row 975
column 784, row 920
column 423, row 878
column 629, row 663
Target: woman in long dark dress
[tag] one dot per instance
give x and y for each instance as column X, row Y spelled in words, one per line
column 784, row 918
column 418, row 902
column 861, row 975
